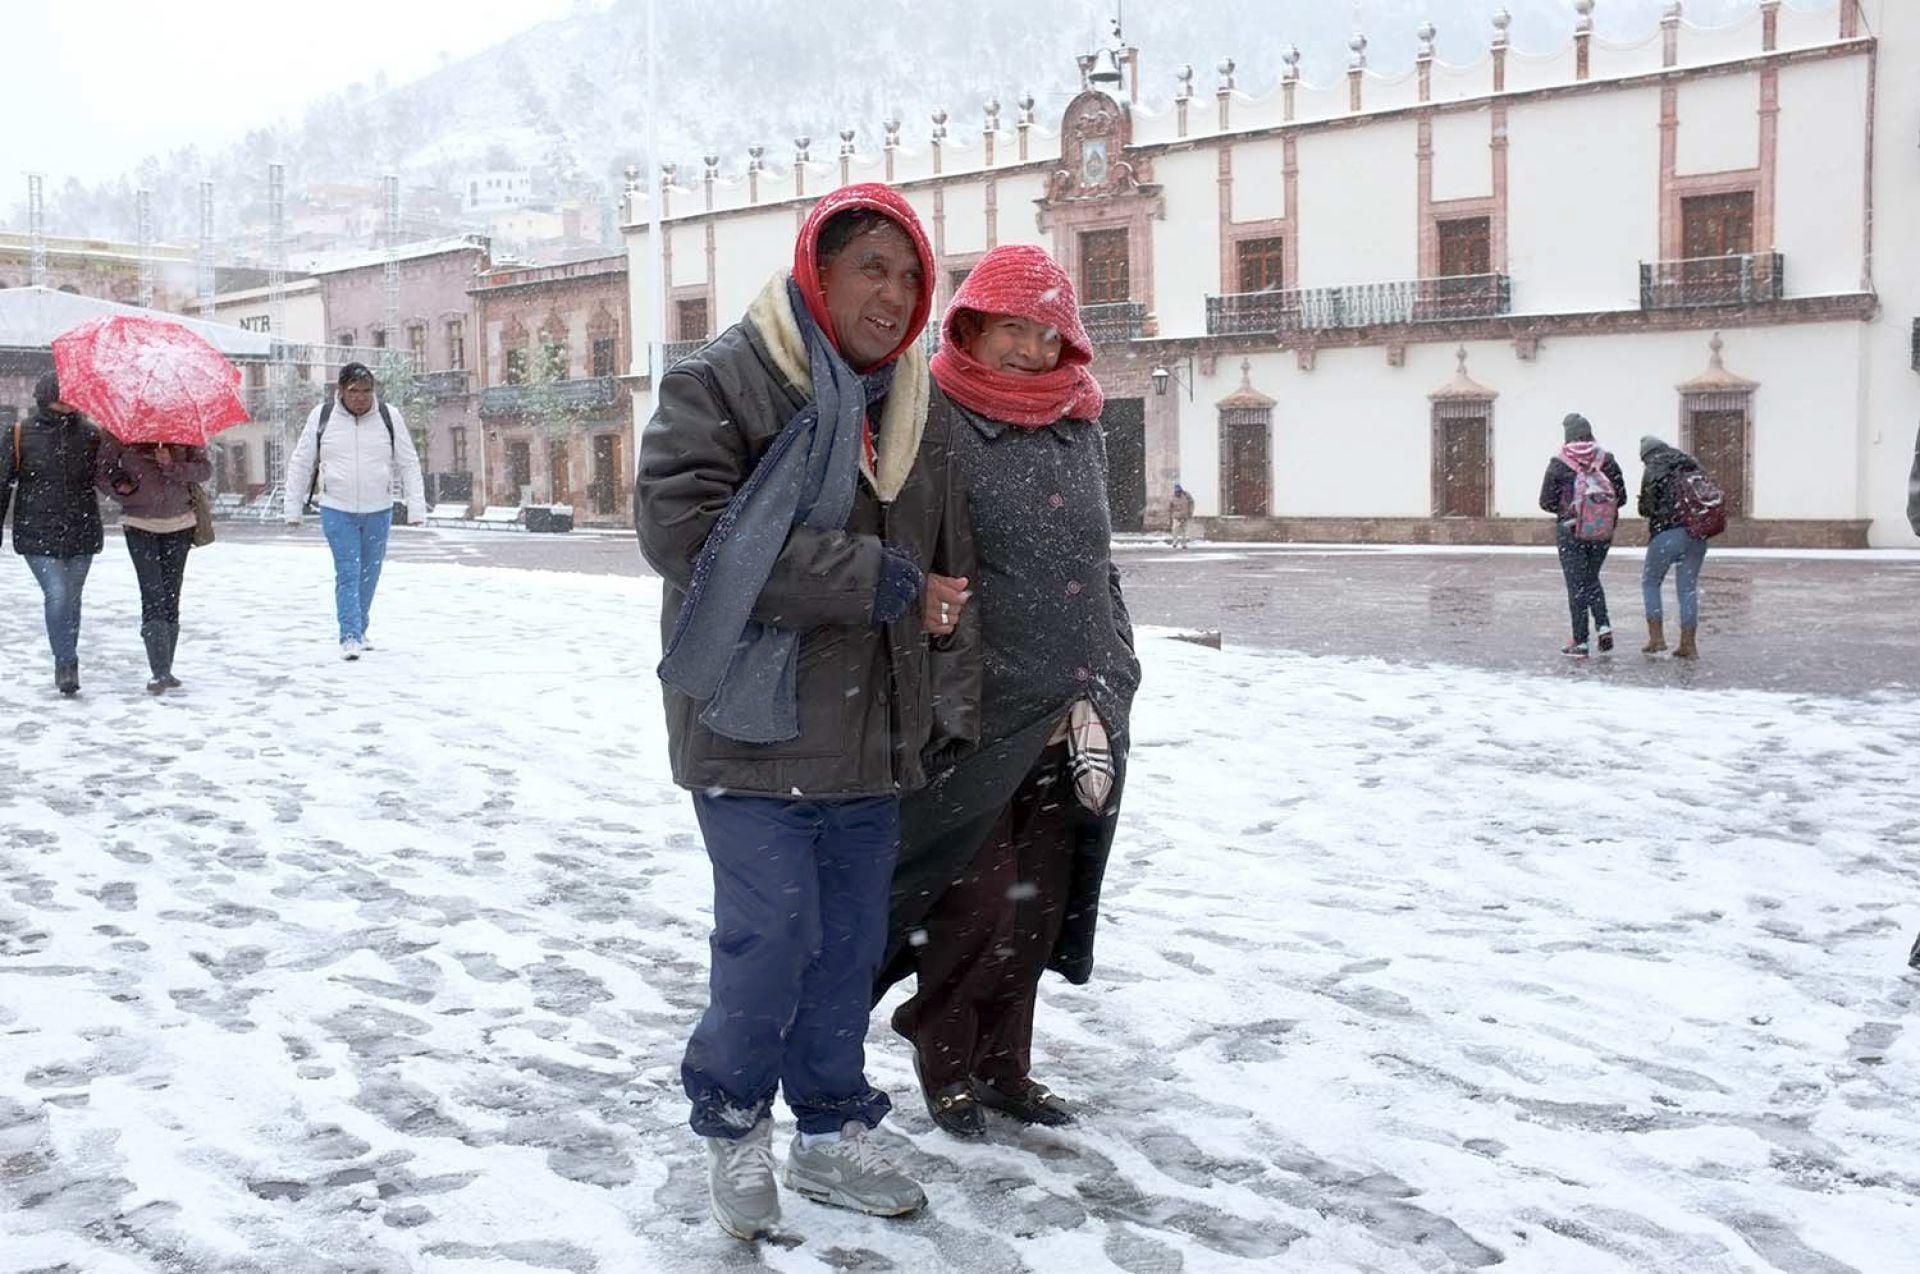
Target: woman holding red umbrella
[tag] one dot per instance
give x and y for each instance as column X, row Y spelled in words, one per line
column 54, row 461
column 154, row 483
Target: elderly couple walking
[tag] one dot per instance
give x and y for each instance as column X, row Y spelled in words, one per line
column 897, row 678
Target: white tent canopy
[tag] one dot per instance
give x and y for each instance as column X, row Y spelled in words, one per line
column 31, row 317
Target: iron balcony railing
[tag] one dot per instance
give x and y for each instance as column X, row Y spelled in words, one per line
column 590, row 393
column 673, row 351
column 440, row 386
column 1465, row 296
column 1746, row 278
column 1114, row 322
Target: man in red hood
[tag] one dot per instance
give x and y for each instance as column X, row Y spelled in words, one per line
column 818, row 650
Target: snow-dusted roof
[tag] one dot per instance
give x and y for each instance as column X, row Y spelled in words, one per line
column 31, row 317
column 361, row 258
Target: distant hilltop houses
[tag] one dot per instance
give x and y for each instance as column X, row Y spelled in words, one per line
column 1344, row 311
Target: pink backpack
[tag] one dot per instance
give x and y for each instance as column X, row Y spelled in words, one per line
column 1596, row 505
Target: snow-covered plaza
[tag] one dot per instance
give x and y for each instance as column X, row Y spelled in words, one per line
column 387, row 966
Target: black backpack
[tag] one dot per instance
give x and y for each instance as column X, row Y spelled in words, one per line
column 326, row 414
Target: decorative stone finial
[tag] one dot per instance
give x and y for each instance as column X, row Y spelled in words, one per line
column 756, row 155
column 1501, row 21
column 1460, row 360
column 1185, row 76
column 1026, row 108
column 1714, row 347
column 1246, row 373
column 1226, row 74
column 993, row 115
column 892, row 127
column 846, row 141
column 713, row 166
column 801, row 148
column 1673, row 12
column 1426, row 32
column 669, row 173
column 1359, row 46
column 940, row 125
column 633, row 176
column 1292, row 58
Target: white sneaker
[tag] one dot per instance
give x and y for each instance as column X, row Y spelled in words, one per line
column 366, row 645
column 740, row 1182
column 851, row 1173
column 350, row 649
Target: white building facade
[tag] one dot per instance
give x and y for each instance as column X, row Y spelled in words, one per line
column 1360, row 311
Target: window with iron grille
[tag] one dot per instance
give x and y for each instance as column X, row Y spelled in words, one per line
column 458, row 437
column 457, row 344
column 1104, row 276
column 516, row 367
column 417, row 342
column 556, row 361
column 1262, row 264
column 691, row 317
column 379, row 338
column 1466, row 246
column 604, row 355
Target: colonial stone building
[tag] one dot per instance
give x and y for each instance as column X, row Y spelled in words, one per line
column 554, row 412
column 1359, row 310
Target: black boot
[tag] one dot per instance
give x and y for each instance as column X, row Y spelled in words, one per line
column 155, row 637
column 173, row 641
column 66, row 675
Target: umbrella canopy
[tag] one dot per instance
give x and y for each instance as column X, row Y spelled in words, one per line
column 147, row 379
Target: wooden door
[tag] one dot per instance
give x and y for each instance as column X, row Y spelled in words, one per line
column 1124, row 423
column 1104, row 273
column 560, row 474
column 1719, row 442
column 606, row 474
column 1460, row 468
column 1246, row 482
column 519, row 470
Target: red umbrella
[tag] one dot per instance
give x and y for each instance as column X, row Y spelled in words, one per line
column 148, row 379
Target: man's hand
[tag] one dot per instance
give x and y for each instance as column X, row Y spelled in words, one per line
column 946, row 597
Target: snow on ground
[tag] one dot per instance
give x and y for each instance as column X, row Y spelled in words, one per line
column 387, row 966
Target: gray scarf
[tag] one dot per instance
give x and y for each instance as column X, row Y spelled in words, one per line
column 746, row 671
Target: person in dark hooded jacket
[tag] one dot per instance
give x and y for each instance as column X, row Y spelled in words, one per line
column 1581, row 560
column 48, row 470
column 795, row 498
column 1669, row 543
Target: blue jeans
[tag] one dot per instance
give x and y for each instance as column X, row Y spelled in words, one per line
column 61, row 579
column 1580, row 562
column 800, row 897
column 359, row 543
column 1671, row 546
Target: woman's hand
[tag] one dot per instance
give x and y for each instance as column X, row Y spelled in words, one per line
column 946, row 597
column 163, row 456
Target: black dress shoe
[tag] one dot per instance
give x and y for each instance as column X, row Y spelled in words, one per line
column 955, row 1109
column 1031, row 1103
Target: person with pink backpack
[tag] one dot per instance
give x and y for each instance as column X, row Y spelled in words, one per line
column 1584, row 490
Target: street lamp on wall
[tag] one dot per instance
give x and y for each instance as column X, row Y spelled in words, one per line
column 1163, row 375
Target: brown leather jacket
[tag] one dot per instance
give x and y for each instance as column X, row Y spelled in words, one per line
column 875, row 702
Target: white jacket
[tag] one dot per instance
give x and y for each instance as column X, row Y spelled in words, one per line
column 357, row 464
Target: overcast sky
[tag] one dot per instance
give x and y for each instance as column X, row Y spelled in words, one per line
column 93, row 86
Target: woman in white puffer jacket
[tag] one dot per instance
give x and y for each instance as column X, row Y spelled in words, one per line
column 358, row 446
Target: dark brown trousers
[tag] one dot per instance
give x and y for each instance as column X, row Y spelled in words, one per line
column 989, row 936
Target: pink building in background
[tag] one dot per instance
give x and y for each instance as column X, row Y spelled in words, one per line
column 435, row 322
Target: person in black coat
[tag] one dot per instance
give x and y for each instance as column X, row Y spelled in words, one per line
column 1002, row 855
column 1580, row 557
column 48, row 471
